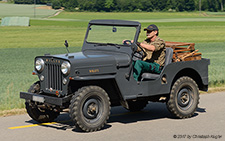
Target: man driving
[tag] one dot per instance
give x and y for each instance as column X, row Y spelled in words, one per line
column 155, row 53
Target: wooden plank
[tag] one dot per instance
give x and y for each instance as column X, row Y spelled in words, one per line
column 182, row 50
column 176, row 44
column 185, row 56
column 191, row 58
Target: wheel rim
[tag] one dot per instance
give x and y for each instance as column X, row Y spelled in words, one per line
column 92, row 110
column 185, row 98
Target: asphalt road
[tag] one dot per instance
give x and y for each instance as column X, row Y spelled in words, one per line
column 153, row 123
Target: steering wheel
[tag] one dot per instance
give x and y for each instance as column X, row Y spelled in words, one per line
column 127, row 42
column 139, row 55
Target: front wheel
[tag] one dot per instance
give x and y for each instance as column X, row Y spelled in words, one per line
column 184, row 98
column 90, row 108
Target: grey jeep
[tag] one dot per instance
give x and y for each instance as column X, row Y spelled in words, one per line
column 90, row 82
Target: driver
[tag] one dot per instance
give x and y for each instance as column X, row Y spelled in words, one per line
column 155, row 53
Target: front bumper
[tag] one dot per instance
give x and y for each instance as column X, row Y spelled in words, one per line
column 45, row 99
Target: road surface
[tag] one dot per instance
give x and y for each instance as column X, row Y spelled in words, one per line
column 153, row 123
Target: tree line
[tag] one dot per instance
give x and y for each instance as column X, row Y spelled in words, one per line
column 132, row 5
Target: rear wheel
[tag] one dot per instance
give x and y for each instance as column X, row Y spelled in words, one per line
column 33, row 108
column 184, row 98
column 90, row 108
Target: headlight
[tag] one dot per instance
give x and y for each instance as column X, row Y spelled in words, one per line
column 65, row 67
column 39, row 64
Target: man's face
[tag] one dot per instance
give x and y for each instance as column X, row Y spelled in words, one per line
column 151, row 33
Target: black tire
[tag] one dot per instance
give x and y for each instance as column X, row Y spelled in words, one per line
column 90, row 108
column 38, row 114
column 184, row 98
column 135, row 106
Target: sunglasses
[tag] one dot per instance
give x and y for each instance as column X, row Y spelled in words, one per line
column 149, row 31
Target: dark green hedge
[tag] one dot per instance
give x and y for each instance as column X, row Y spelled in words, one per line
column 132, row 5
column 31, row 1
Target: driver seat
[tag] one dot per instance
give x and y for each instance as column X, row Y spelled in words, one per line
column 168, row 60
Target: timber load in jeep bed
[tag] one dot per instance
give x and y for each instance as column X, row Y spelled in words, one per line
column 184, row 51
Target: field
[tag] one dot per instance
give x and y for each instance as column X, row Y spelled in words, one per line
column 9, row 10
column 19, row 45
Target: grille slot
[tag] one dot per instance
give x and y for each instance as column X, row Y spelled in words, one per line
column 54, row 77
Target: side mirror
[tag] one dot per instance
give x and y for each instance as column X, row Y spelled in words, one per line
column 114, row 29
column 66, row 43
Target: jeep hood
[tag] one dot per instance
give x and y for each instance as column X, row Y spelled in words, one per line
column 96, row 62
column 93, row 57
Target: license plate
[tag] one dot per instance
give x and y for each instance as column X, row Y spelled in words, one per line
column 38, row 99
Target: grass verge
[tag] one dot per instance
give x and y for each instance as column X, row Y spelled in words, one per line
column 5, row 113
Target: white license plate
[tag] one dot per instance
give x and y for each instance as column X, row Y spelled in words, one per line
column 38, row 99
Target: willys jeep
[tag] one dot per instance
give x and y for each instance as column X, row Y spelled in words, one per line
column 90, row 82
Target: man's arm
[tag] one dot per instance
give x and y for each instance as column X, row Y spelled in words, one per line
column 147, row 46
column 158, row 45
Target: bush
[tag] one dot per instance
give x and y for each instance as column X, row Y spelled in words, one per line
column 56, row 4
column 31, row 1
column 23, row 1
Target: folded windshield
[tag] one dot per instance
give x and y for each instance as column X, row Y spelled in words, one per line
column 110, row 34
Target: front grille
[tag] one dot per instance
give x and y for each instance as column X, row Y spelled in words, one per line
column 54, row 77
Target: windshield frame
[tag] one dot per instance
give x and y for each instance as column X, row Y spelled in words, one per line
column 90, row 45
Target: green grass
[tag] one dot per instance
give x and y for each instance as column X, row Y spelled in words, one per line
column 215, row 52
column 216, row 13
column 42, row 35
column 197, row 32
column 9, row 10
column 131, row 15
column 19, row 45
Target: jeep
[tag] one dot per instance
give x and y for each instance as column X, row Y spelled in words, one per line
column 90, row 82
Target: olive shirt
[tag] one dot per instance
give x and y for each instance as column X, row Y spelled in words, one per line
column 157, row 56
